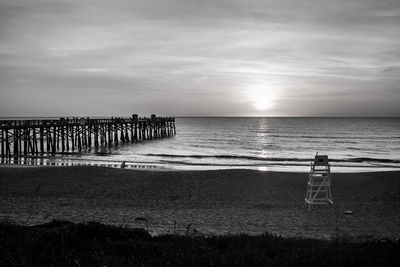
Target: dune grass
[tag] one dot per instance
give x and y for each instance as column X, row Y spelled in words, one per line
column 62, row 243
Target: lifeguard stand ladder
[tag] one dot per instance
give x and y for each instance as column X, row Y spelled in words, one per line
column 319, row 183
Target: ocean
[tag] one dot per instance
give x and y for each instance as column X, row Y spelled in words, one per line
column 268, row 143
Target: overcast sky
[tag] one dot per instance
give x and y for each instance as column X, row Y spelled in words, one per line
column 200, row 57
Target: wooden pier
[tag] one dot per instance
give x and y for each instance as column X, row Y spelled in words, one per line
column 69, row 135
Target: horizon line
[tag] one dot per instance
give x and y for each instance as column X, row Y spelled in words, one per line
column 202, row 116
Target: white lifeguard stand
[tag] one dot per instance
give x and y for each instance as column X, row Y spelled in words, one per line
column 319, row 182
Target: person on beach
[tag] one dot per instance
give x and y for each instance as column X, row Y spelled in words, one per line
column 123, row 165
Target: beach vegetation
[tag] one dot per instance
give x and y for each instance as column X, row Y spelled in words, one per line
column 63, row 243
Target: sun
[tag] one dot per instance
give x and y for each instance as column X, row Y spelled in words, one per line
column 261, row 97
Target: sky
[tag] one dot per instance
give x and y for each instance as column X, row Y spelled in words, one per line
column 200, row 57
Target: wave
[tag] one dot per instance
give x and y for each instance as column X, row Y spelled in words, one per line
column 332, row 137
column 255, row 158
column 245, row 165
column 370, row 160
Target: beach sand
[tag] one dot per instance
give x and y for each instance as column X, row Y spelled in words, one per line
column 212, row 202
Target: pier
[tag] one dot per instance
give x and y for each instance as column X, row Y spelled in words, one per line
column 69, row 135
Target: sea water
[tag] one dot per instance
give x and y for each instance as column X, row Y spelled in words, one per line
column 268, row 143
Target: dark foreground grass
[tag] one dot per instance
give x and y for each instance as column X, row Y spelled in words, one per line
column 93, row 244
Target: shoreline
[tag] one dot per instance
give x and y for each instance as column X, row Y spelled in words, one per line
column 51, row 161
column 138, row 166
column 213, row 202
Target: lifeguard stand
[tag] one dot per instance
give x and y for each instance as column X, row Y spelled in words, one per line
column 319, row 182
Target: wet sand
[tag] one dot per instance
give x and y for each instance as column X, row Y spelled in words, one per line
column 212, row 202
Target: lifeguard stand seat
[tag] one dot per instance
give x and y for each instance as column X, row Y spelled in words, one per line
column 319, row 182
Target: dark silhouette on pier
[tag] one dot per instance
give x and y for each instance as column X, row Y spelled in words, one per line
column 65, row 135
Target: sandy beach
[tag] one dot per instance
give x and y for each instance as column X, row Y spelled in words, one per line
column 211, row 202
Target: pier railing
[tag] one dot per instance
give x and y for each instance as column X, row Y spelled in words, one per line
column 64, row 135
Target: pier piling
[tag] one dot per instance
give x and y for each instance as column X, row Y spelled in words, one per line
column 64, row 135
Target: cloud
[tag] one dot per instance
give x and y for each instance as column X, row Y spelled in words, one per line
column 177, row 56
